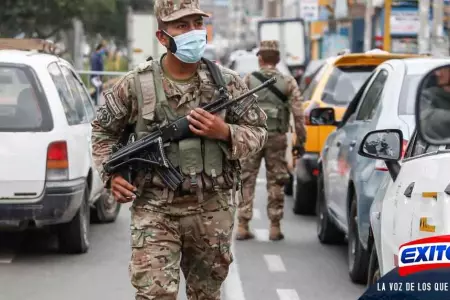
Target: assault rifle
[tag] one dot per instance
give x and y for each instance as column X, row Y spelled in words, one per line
column 148, row 152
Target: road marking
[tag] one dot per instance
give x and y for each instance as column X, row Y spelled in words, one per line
column 6, row 258
column 261, row 180
column 274, row 263
column 262, row 235
column 256, row 214
column 232, row 287
column 287, row 294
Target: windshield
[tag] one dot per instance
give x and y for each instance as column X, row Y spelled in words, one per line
column 22, row 104
column 344, row 83
column 406, row 105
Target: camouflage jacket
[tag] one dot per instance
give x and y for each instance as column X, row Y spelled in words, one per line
column 294, row 99
column 248, row 135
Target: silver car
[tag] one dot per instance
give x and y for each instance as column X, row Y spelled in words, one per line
column 348, row 182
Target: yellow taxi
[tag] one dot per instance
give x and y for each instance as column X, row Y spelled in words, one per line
column 334, row 85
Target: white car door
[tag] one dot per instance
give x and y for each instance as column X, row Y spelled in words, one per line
column 403, row 201
column 81, row 131
column 431, row 195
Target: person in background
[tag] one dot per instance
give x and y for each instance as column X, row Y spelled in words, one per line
column 97, row 65
column 278, row 102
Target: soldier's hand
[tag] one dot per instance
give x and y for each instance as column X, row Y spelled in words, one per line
column 122, row 190
column 208, row 125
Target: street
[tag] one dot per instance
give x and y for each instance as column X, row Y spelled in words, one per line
column 298, row 268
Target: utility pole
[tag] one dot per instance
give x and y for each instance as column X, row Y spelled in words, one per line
column 130, row 36
column 387, row 25
column 439, row 40
column 78, row 44
column 424, row 31
column 368, row 26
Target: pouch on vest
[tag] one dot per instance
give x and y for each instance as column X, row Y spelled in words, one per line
column 191, row 160
column 213, row 162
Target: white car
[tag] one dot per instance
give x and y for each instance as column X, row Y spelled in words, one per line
column 248, row 62
column 47, row 175
column 414, row 202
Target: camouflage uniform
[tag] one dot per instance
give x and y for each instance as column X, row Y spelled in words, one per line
column 185, row 229
column 273, row 151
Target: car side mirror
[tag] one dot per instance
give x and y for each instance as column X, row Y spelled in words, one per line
column 322, row 116
column 433, row 106
column 383, row 144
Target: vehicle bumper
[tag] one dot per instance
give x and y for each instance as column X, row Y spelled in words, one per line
column 306, row 167
column 59, row 203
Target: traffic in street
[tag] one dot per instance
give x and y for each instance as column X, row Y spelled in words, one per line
column 298, row 268
column 224, row 149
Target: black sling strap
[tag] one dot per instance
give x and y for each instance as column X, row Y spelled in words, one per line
column 215, row 73
column 272, row 88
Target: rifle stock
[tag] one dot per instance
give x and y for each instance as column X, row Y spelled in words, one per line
column 148, row 152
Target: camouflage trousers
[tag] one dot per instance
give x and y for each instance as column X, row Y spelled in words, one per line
column 198, row 244
column 273, row 153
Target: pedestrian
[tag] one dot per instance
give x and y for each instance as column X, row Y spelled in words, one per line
column 189, row 228
column 97, row 65
column 278, row 101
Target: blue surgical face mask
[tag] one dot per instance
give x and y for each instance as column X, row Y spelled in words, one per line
column 190, row 46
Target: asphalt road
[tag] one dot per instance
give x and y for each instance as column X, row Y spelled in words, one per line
column 298, row 268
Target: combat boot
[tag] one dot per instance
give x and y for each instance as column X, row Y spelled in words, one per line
column 243, row 231
column 275, row 231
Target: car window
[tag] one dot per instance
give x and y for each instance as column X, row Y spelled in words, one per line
column 85, row 97
column 23, row 105
column 344, row 83
column 68, row 102
column 372, row 97
column 303, row 83
column 74, row 89
column 421, row 147
column 406, row 105
column 308, row 93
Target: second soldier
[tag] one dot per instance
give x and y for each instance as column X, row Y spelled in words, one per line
column 278, row 102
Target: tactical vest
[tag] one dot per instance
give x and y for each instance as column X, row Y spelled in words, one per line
column 202, row 161
column 278, row 111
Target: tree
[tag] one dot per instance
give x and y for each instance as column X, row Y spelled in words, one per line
column 45, row 18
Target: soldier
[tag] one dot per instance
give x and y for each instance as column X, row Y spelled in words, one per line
column 278, row 102
column 189, row 229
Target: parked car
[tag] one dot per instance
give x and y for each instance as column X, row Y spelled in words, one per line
column 48, row 176
column 413, row 202
column 348, row 182
column 335, row 85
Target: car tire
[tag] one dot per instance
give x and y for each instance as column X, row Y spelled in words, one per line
column 358, row 258
column 289, row 187
column 373, row 272
column 106, row 209
column 73, row 237
column 305, row 197
column 327, row 231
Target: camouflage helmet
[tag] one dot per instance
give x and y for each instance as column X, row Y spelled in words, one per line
column 269, row 45
column 171, row 10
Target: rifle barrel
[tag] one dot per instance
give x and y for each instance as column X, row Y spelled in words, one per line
column 245, row 95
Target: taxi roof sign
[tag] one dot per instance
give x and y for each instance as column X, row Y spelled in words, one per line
column 28, row 45
column 369, row 59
